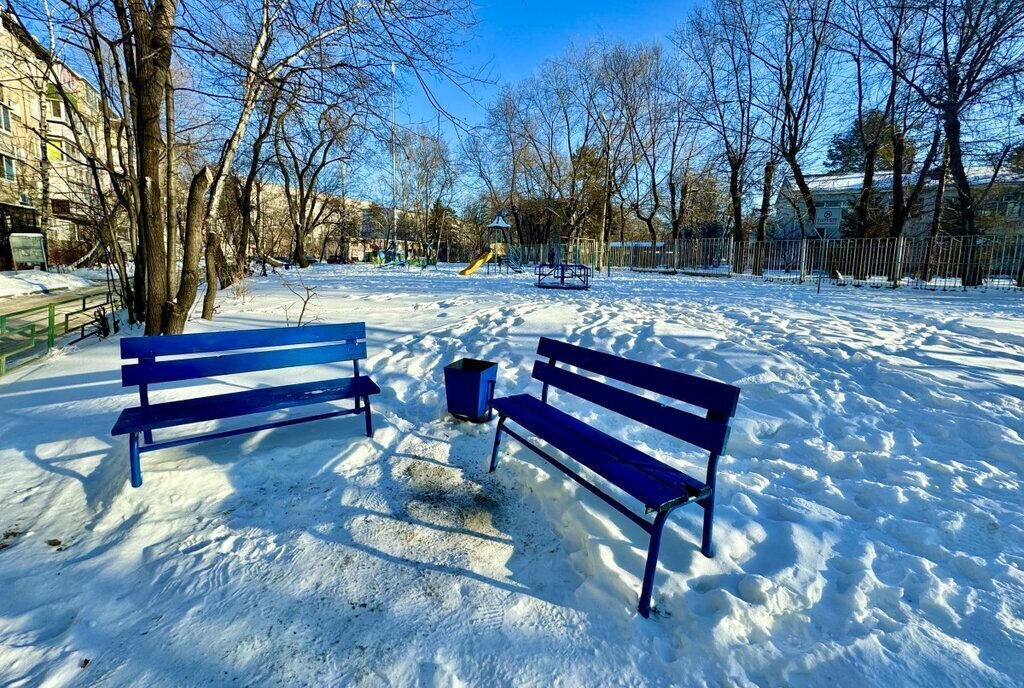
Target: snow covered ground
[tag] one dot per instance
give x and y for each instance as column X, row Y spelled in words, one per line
column 870, row 529
column 37, row 281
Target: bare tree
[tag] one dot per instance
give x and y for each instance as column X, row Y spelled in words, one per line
column 307, row 145
column 721, row 44
column 972, row 53
column 558, row 118
column 237, row 50
column 892, row 30
column 795, row 49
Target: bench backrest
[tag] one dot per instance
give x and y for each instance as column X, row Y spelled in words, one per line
column 252, row 350
column 717, row 399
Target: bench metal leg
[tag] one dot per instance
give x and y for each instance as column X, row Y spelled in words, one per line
column 148, row 436
column 359, row 401
column 497, row 441
column 652, row 563
column 707, row 547
column 133, row 459
column 369, row 421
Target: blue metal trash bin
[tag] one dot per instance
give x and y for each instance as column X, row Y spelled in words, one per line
column 469, row 386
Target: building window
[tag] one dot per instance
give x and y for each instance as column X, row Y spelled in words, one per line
column 5, row 118
column 55, row 109
column 8, row 168
column 54, row 150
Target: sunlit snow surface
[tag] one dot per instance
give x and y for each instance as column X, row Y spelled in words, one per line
column 37, row 281
column 870, row 528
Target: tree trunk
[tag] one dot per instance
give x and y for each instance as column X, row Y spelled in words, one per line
column 299, row 253
column 862, row 218
column 108, row 235
column 44, row 158
column 736, row 197
column 762, row 216
column 805, row 192
column 210, row 297
column 951, row 126
column 172, row 193
column 153, row 29
column 225, row 272
column 736, row 203
column 936, row 224
column 176, row 313
column 1020, row 268
column 141, row 284
column 899, row 206
column 970, row 275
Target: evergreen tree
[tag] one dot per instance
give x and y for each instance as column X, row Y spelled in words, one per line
column 846, row 152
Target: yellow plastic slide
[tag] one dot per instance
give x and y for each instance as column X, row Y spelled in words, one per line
column 476, row 263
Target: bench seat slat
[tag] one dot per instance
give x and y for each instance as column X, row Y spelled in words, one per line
column 708, row 394
column 233, row 404
column 702, row 432
column 233, row 340
column 638, row 475
column 153, row 372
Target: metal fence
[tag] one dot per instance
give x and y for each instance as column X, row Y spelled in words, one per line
column 30, row 333
column 946, row 262
column 581, row 251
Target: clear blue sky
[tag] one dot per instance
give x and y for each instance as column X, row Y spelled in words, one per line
column 515, row 36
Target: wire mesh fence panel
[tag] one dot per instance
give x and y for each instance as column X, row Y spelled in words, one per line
column 938, row 263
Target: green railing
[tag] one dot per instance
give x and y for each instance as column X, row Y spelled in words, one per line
column 30, row 333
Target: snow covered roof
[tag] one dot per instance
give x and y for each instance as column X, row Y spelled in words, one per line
column 840, row 183
column 499, row 222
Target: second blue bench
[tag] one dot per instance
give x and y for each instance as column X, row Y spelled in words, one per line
column 658, row 487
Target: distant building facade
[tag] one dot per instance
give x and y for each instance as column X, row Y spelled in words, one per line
column 1001, row 211
column 32, row 83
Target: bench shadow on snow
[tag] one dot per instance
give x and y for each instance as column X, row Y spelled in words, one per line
column 375, row 499
column 32, row 400
column 43, row 391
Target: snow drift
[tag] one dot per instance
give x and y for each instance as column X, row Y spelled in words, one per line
column 868, row 531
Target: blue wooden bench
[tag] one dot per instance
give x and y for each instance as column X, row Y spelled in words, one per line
column 252, row 350
column 660, row 488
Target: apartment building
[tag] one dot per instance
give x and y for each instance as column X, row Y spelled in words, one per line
column 1000, row 205
column 32, row 84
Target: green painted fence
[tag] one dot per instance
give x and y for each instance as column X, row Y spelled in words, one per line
column 30, row 333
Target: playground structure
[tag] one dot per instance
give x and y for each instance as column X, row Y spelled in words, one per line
column 385, row 260
column 390, row 256
column 563, row 276
column 501, row 253
column 413, row 255
column 475, row 264
column 428, row 259
column 504, row 254
column 557, row 272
